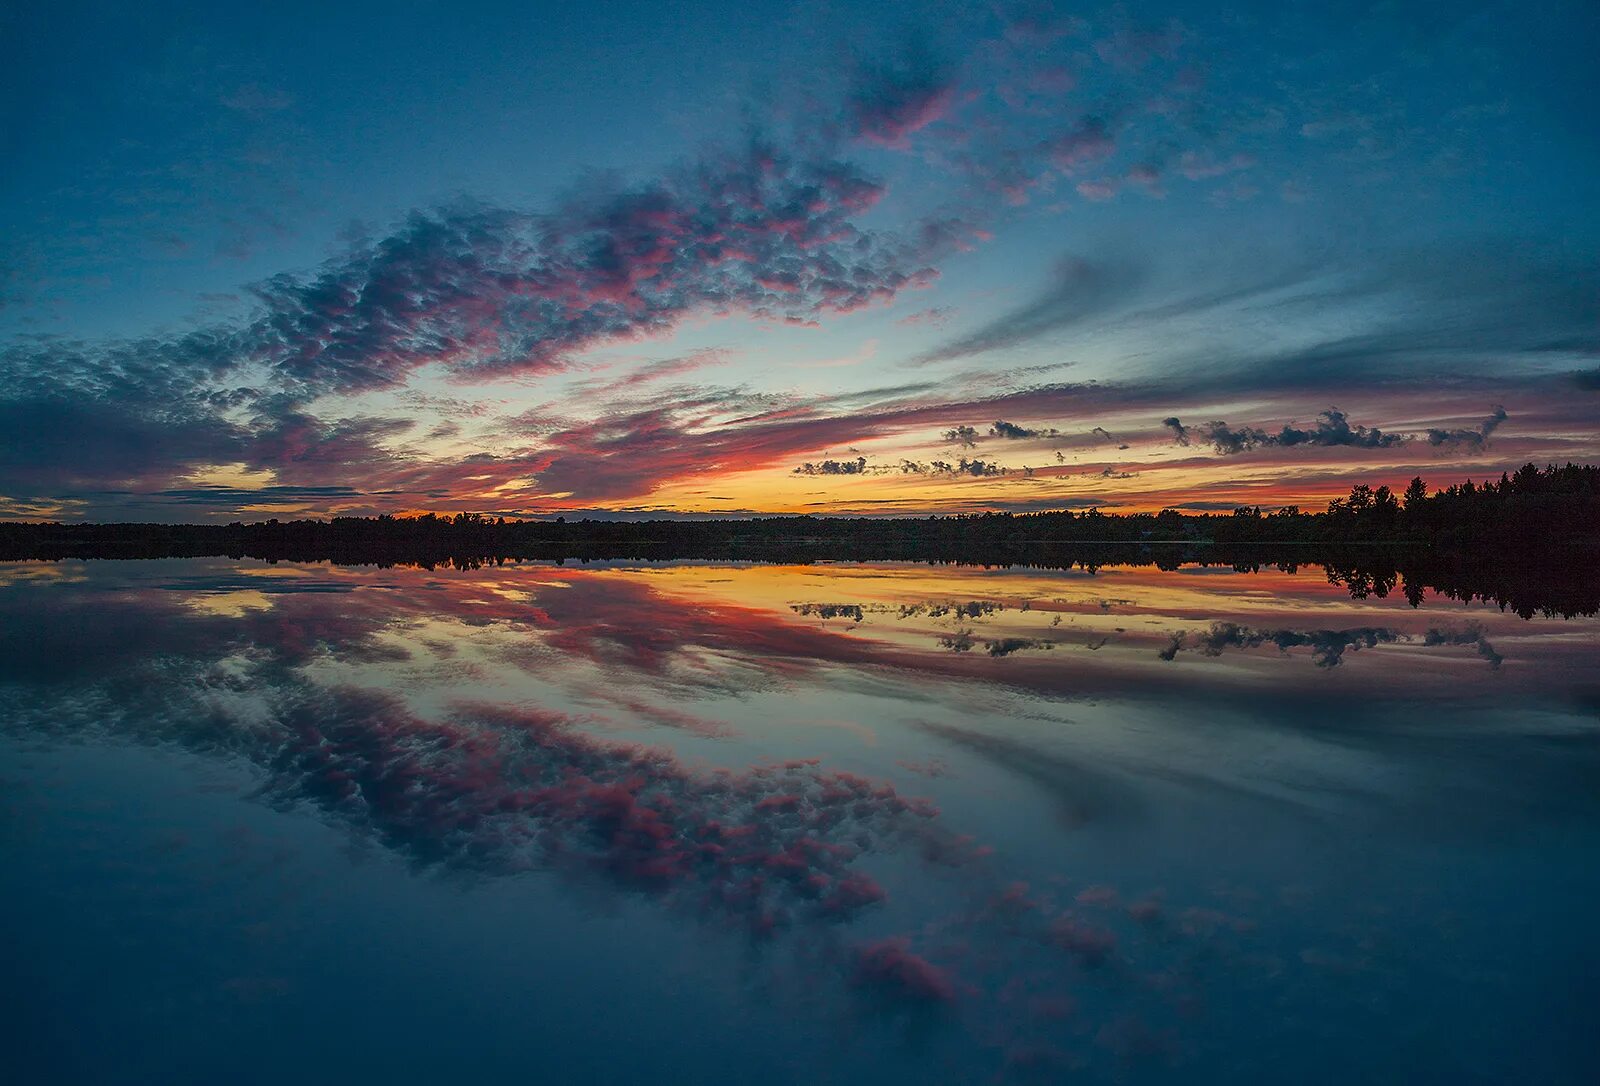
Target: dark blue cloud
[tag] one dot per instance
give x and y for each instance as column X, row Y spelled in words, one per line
column 1332, row 429
column 1474, row 439
column 895, row 97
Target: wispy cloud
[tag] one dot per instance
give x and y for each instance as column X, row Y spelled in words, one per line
column 1082, row 289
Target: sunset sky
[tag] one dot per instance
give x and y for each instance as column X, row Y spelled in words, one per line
column 689, row 258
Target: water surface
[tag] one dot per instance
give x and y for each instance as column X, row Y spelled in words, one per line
column 712, row 822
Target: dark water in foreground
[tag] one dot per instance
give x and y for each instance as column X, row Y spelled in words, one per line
column 714, row 823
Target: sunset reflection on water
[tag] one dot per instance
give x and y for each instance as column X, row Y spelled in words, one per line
column 899, row 821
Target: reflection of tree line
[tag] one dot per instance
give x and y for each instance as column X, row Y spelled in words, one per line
column 1526, row 580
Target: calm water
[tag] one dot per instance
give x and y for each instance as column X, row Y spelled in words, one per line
column 713, row 823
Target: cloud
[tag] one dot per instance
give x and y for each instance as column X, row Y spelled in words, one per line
column 1201, row 165
column 1005, row 646
column 1097, row 191
column 1088, row 142
column 632, row 453
column 1106, row 436
column 763, row 848
column 231, row 497
column 1084, row 791
column 1332, row 429
column 1012, row 432
column 1469, row 635
column 1473, row 439
column 890, row 966
column 59, row 444
column 659, row 370
column 1082, row 290
column 1448, row 311
column 936, row 317
column 857, row 466
column 893, row 99
column 753, row 229
column 1327, row 646
column 825, row 611
column 1132, row 47
column 1227, row 440
column 980, row 469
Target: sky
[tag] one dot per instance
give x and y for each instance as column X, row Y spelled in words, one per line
column 712, row 258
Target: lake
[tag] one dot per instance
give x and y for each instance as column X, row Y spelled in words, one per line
column 724, row 822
